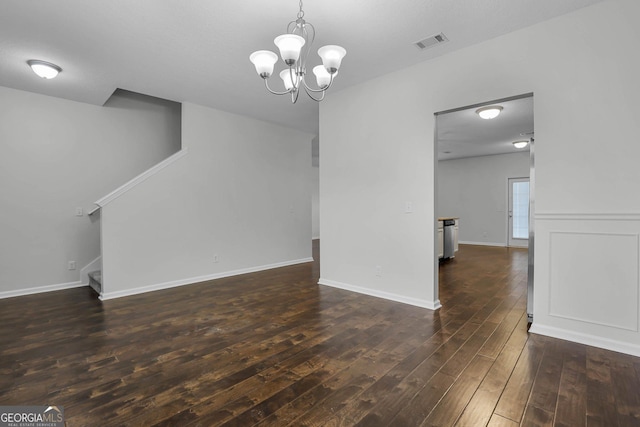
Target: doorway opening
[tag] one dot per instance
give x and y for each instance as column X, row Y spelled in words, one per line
column 475, row 163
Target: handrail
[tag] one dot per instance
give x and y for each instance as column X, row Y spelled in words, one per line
column 138, row 179
column 94, row 210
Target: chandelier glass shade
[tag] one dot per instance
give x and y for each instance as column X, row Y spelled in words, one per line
column 294, row 48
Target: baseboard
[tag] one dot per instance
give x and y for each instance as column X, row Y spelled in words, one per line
column 431, row 305
column 502, row 245
column 192, row 280
column 41, row 289
column 586, row 339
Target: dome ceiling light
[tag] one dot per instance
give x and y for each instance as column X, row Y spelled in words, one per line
column 490, row 112
column 295, row 47
column 44, row 69
column 520, row 144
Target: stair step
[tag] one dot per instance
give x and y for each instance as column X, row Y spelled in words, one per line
column 95, row 281
column 96, row 275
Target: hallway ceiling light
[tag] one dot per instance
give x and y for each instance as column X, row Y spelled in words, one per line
column 520, row 144
column 294, row 48
column 490, row 112
column 44, row 69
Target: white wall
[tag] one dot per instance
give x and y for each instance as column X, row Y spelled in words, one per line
column 476, row 190
column 378, row 151
column 56, row 155
column 242, row 192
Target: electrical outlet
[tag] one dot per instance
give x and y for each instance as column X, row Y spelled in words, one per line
column 71, row 265
column 408, row 207
column 378, row 270
column 215, row 258
column 79, row 212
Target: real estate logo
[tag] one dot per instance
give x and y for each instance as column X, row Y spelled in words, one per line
column 31, row 416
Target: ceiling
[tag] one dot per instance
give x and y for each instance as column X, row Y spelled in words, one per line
column 197, row 51
column 463, row 133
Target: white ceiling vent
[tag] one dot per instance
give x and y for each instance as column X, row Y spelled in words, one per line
column 431, row 41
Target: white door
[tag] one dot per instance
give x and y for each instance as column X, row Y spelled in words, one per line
column 519, row 212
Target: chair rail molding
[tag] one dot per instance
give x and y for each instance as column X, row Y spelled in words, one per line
column 613, row 216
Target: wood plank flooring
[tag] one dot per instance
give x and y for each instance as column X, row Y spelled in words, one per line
column 276, row 349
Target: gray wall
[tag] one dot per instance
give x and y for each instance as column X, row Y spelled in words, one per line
column 241, row 193
column 378, row 151
column 476, row 190
column 57, row 155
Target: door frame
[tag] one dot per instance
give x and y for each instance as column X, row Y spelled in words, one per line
column 436, row 281
column 532, row 199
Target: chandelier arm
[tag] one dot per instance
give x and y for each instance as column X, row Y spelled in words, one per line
column 291, row 27
column 313, row 33
column 294, row 96
column 296, row 82
column 309, row 92
column 313, row 37
column 308, row 89
column 308, row 45
column 266, row 83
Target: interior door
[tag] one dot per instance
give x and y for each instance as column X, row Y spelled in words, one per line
column 519, row 212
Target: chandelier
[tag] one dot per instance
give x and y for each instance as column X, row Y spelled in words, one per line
column 294, row 48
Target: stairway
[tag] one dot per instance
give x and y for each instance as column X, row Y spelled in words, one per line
column 95, row 281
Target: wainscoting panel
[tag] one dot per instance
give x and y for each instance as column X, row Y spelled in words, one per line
column 587, row 279
column 594, row 278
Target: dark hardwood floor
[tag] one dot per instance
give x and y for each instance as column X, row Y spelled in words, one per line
column 276, row 349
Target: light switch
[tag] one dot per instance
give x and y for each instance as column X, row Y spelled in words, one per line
column 79, row 212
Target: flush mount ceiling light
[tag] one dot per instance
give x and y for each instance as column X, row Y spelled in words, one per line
column 520, row 144
column 294, row 49
column 490, row 112
column 44, row 69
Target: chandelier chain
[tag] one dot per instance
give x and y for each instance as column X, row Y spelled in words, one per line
column 301, row 13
